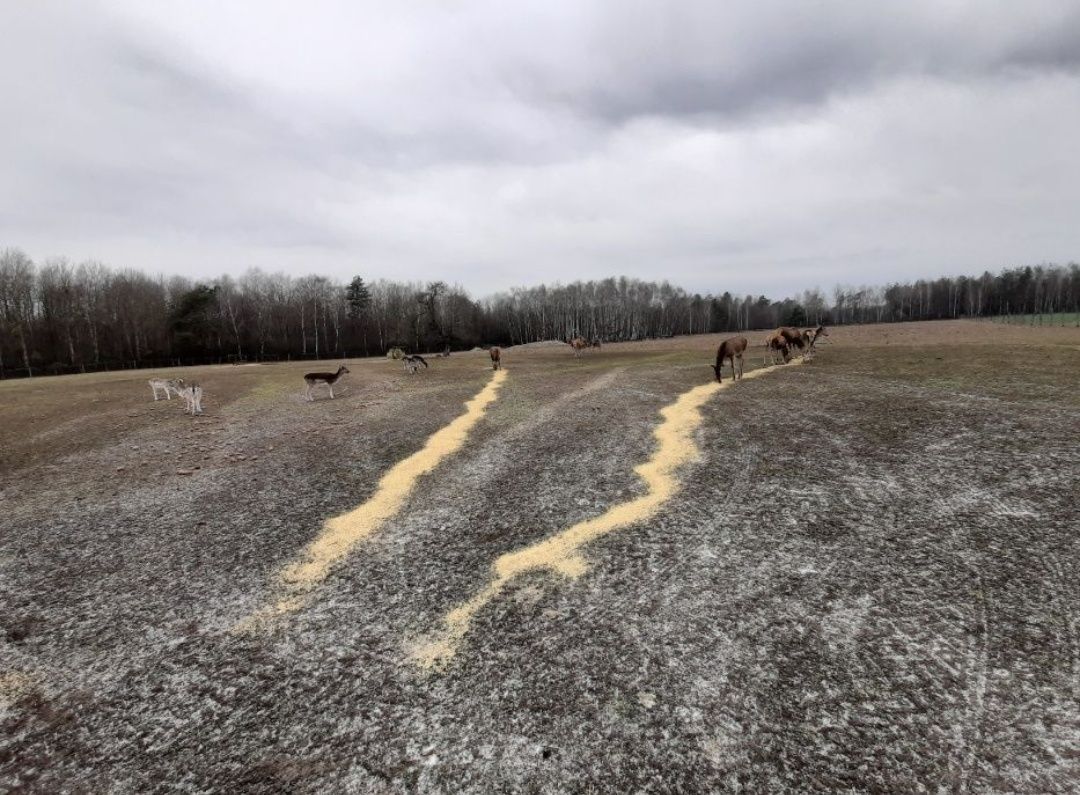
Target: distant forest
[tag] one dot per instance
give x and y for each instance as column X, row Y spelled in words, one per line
column 58, row 317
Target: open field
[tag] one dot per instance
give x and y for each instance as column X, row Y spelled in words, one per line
column 861, row 573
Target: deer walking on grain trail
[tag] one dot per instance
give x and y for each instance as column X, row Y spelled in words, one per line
column 732, row 349
column 496, row 358
column 413, row 362
column 324, row 378
column 169, row 385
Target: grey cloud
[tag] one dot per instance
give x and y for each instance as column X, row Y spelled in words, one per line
column 798, row 55
column 722, row 145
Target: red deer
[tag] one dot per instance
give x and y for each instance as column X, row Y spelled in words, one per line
column 578, row 344
column 783, row 340
column 324, row 378
column 732, row 349
column 496, row 358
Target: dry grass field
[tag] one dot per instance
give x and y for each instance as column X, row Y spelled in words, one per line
column 858, row 573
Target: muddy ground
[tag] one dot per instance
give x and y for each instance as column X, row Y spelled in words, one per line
column 869, row 580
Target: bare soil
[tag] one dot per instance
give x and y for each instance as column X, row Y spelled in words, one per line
column 867, row 580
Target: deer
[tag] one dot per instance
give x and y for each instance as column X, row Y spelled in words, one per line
column 810, row 337
column 732, row 349
column 169, row 385
column 192, row 395
column 578, row 344
column 311, row 379
column 774, row 344
column 412, row 363
column 595, row 344
column 496, row 358
column 783, row 340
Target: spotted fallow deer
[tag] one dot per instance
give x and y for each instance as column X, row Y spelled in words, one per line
column 192, row 395
column 732, row 349
column 311, row 379
column 169, row 385
column 810, row 337
column 496, row 358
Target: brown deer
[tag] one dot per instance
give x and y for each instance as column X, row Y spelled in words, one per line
column 578, row 344
column 732, row 349
column 496, row 358
column 783, row 340
column 324, row 378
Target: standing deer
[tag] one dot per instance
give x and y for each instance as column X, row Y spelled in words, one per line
column 413, row 362
column 810, row 337
column 578, row 344
column 324, row 378
column 732, row 349
column 496, row 358
column 192, row 395
column 173, row 385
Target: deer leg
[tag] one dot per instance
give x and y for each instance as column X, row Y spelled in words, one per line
column 331, row 391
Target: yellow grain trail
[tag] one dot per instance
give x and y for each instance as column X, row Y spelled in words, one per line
column 560, row 553
column 341, row 534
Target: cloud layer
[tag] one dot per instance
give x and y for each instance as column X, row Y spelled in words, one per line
column 759, row 146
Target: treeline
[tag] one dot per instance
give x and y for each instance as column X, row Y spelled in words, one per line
column 59, row 317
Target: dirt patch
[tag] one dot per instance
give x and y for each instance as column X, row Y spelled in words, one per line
column 867, row 580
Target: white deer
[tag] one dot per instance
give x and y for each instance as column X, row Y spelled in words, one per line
column 168, row 385
column 192, row 394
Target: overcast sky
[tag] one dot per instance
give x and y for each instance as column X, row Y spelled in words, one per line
column 747, row 146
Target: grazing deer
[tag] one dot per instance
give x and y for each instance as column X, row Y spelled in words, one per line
column 192, row 395
column 578, row 344
column 496, row 358
column 732, row 349
column 776, row 344
column 783, row 340
column 173, row 385
column 325, row 378
column 413, row 362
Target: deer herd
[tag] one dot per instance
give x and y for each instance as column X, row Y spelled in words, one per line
column 779, row 346
column 779, row 343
